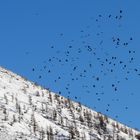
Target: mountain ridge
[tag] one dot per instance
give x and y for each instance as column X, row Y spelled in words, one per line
column 29, row 111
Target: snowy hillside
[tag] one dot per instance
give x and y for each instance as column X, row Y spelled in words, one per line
column 29, row 112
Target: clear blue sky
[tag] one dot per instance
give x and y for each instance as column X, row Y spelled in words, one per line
column 28, row 30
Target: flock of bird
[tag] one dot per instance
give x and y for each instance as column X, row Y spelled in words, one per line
column 87, row 65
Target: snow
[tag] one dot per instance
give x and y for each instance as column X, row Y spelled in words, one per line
column 30, row 112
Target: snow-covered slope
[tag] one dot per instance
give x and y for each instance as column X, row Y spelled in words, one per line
column 30, row 112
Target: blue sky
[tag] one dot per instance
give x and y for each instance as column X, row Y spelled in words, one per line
column 29, row 29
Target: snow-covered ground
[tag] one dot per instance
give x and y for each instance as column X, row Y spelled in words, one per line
column 30, row 112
